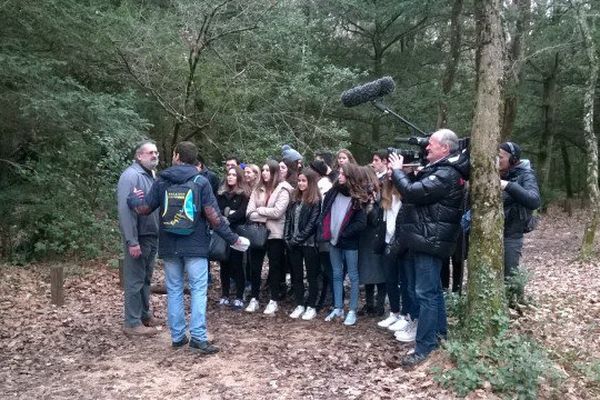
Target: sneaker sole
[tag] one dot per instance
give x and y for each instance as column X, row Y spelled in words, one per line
column 404, row 340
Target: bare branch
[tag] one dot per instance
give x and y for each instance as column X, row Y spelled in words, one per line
column 15, row 165
column 404, row 33
column 163, row 103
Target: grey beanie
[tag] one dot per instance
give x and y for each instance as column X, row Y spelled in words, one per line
column 289, row 155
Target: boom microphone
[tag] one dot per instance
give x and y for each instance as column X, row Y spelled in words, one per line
column 368, row 92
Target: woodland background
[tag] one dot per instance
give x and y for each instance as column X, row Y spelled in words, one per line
column 83, row 81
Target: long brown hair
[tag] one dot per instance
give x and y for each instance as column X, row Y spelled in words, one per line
column 354, row 183
column 388, row 189
column 240, row 185
column 370, row 181
column 275, row 179
column 311, row 195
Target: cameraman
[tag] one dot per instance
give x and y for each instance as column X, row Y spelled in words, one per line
column 520, row 196
column 428, row 225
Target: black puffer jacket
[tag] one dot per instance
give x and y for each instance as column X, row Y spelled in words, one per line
column 429, row 220
column 307, row 224
column 520, row 197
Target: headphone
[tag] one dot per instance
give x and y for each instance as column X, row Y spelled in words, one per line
column 513, row 159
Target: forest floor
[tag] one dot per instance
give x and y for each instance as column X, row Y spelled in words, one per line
column 78, row 350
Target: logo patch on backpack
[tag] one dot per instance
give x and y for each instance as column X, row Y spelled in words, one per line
column 179, row 214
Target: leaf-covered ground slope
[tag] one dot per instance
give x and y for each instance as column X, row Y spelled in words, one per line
column 78, row 350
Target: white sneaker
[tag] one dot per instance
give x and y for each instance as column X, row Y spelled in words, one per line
column 253, row 305
column 409, row 333
column 350, row 318
column 400, row 324
column 336, row 313
column 309, row 314
column 298, row 311
column 388, row 321
column 271, row 308
column 237, row 303
column 224, row 301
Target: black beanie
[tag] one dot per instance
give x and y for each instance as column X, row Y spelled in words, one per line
column 512, row 148
column 319, row 166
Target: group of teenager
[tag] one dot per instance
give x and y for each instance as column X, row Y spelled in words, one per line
column 387, row 226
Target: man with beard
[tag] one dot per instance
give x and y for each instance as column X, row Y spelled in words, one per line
column 140, row 240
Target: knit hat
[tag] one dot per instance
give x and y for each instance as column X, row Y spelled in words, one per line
column 319, row 166
column 512, row 148
column 289, row 155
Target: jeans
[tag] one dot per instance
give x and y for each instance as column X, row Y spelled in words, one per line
column 512, row 255
column 137, row 277
column 339, row 257
column 197, row 271
column 432, row 310
column 310, row 256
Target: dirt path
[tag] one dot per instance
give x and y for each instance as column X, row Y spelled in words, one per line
column 78, row 351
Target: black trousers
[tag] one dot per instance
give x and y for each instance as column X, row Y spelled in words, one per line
column 326, row 294
column 233, row 268
column 370, row 295
column 276, row 252
column 309, row 255
column 458, row 259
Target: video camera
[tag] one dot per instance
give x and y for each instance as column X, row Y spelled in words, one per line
column 411, row 156
column 419, row 156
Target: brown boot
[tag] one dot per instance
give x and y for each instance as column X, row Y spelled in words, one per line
column 140, row 330
column 153, row 322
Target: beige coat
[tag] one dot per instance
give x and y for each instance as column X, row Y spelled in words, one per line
column 273, row 212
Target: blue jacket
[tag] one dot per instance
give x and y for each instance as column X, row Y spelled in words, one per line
column 197, row 243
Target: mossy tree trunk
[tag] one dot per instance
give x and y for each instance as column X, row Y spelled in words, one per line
column 486, row 308
column 591, row 142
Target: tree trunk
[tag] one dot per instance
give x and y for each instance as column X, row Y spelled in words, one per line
column 549, row 103
column 513, row 74
column 451, row 64
column 591, row 142
column 568, row 183
column 486, row 308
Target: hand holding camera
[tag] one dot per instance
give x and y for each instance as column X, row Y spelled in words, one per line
column 396, row 160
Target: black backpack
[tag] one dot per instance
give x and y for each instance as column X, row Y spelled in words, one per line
column 179, row 211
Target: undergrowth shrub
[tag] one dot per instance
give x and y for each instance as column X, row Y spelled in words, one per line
column 512, row 365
